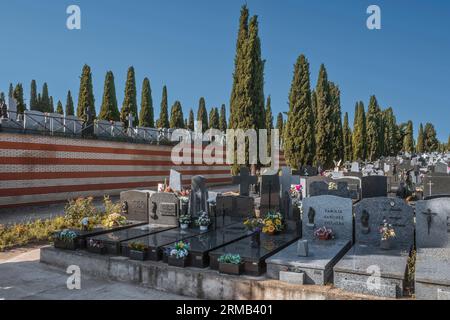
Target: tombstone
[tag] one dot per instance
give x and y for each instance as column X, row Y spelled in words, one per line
column 286, row 181
column 353, row 185
column 334, row 188
column 244, row 180
column 436, row 185
column 373, row 186
column 198, row 198
column 270, row 192
column 440, row 167
column 432, row 276
column 368, row 255
column 34, row 120
column 164, row 209
column 175, row 180
column 334, row 213
column 135, row 204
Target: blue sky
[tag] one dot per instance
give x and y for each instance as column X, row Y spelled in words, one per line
column 190, row 45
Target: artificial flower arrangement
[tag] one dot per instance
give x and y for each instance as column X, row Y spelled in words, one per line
column 332, row 186
column 230, row 258
column 254, row 224
column 203, row 220
column 324, row 233
column 114, row 220
column 231, row 264
column 295, row 190
column 137, row 251
column 65, row 235
column 387, row 231
column 184, row 199
column 180, row 250
column 273, row 223
column 185, row 220
column 184, row 193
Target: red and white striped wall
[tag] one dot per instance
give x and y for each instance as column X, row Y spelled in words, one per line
column 38, row 169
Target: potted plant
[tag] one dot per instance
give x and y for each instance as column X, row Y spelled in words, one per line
column 203, row 221
column 231, row 264
column 138, row 251
column 65, row 239
column 96, row 246
column 178, row 254
column 114, row 220
column 185, row 221
column 254, row 227
column 273, row 223
column 387, row 233
column 324, row 233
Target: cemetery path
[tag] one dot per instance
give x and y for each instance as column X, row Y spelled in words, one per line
column 22, row 276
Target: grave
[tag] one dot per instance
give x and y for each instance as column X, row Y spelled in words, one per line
column 244, row 179
column 373, row 186
column 234, row 206
column 354, row 167
column 332, row 188
column 270, row 192
column 164, row 208
column 432, row 278
column 368, row 267
column 436, row 185
column 198, row 198
column 135, row 204
column 316, row 267
column 175, row 180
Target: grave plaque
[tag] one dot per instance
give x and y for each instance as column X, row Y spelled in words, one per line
column 135, row 204
column 175, row 180
column 164, row 208
column 374, row 186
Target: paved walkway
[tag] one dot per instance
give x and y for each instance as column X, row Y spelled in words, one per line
column 22, row 276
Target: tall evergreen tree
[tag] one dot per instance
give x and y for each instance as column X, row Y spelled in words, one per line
column 69, row 104
column 33, row 96
column 109, row 109
column 44, row 105
column 373, row 130
column 51, row 107
column 338, row 142
column 280, row 123
column 389, row 132
column 347, row 139
column 18, row 96
column 299, row 140
column 86, row 94
column 59, row 107
column 146, row 116
column 11, row 90
column 325, row 118
column 129, row 105
column 359, row 132
column 430, row 141
column 420, row 140
column 314, row 108
column 214, row 118
column 163, row 121
column 191, row 124
column 176, row 116
column 448, row 143
column 202, row 114
column 2, row 97
column 223, row 119
column 408, row 141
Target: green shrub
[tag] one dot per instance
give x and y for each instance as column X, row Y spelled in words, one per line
column 78, row 209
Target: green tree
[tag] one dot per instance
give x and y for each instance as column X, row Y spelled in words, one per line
column 347, row 139
column 86, row 94
column 33, row 96
column 448, row 143
column 280, row 123
column 359, row 132
column 18, row 96
column 11, row 90
column 191, row 124
column 214, row 118
column 59, row 107
column 299, row 140
column 420, row 140
column 223, row 119
column 163, row 121
column 373, row 126
column 408, row 141
column 176, row 116
column 390, row 132
column 129, row 105
column 51, row 108
column 2, row 97
column 69, row 104
column 338, row 141
column 431, row 143
column 146, row 116
column 44, row 104
column 202, row 114
column 109, row 109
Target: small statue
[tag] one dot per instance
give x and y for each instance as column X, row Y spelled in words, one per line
column 365, row 229
column 311, row 216
column 124, row 208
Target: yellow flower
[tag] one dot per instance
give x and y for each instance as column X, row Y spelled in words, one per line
column 278, row 222
column 271, row 229
column 269, row 222
column 264, row 229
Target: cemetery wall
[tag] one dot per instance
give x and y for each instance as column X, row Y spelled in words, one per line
column 37, row 170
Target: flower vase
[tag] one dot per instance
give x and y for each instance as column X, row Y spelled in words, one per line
column 255, row 239
column 385, row 244
column 203, row 228
column 184, row 226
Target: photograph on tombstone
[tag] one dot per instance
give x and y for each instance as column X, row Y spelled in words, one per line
column 224, row 150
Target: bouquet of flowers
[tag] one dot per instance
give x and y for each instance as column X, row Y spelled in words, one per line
column 185, row 219
column 273, row 223
column 113, row 220
column 184, row 199
column 203, row 219
column 137, row 246
column 254, row 224
column 324, row 233
column 295, row 191
column 65, row 235
column 180, row 250
column 332, row 186
column 230, row 258
column 387, row 231
column 96, row 244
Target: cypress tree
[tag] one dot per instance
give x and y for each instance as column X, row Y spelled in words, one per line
column 109, row 109
column 2, row 97
column 129, row 105
column 448, row 143
column 359, row 132
column 269, row 124
column 408, row 141
column 430, row 141
column 325, row 118
column 146, row 116
column 69, row 104
column 51, row 108
column 280, row 123
column 338, row 143
column 163, row 121
column 86, row 94
column 191, row 125
column 347, row 139
column 202, row 114
column 33, row 96
column 11, row 90
column 373, row 130
column 18, row 96
column 214, row 118
column 314, row 108
column 420, row 141
column 223, row 119
column 44, row 105
column 401, row 134
column 299, row 141
column 59, row 107
column 389, row 132
column 176, row 116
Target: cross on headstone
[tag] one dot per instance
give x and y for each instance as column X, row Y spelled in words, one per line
column 130, row 119
column 430, row 183
column 245, row 180
column 429, row 215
